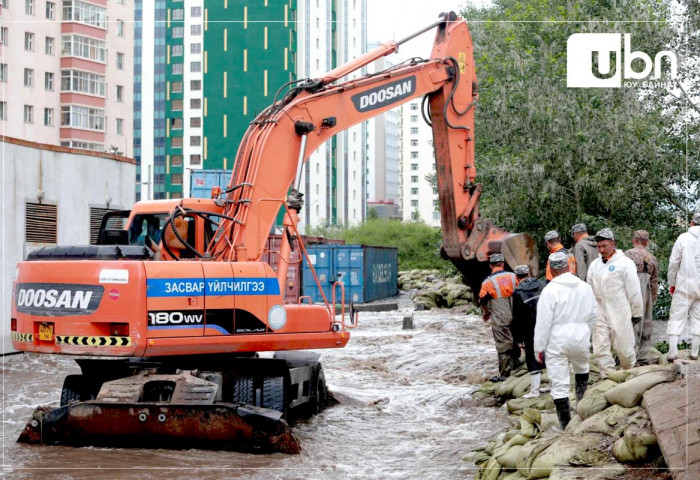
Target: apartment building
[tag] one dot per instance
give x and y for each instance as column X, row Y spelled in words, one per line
column 66, row 70
column 419, row 196
column 215, row 65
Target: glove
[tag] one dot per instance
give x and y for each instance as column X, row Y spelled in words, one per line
column 521, row 344
column 636, row 320
column 539, row 356
column 672, row 289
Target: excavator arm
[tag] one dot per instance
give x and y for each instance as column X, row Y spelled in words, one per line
column 270, row 158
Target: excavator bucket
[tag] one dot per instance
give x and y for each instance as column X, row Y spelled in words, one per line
column 521, row 249
column 156, row 411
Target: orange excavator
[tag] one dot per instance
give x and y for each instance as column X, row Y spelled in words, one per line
column 171, row 311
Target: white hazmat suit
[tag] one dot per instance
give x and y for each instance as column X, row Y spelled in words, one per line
column 619, row 297
column 566, row 313
column 684, row 274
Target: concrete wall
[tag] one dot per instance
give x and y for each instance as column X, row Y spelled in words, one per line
column 74, row 180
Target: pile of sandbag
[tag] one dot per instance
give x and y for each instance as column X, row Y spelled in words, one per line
column 610, row 427
column 430, row 290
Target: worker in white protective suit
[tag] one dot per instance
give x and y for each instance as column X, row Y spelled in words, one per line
column 566, row 312
column 684, row 282
column 613, row 277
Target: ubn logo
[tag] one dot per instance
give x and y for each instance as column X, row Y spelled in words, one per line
column 583, row 48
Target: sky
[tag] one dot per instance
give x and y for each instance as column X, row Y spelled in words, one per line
column 396, row 19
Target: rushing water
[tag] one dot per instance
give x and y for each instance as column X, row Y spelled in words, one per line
column 405, row 412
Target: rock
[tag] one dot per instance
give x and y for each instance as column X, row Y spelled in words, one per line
column 630, row 393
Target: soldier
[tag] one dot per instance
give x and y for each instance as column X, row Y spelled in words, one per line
column 585, row 250
column 619, row 299
column 684, row 281
column 525, row 298
column 554, row 244
column 648, row 273
column 495, row 298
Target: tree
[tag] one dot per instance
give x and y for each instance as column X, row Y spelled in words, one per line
column 550, row 156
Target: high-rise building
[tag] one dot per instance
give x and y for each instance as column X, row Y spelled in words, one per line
column 66, row 71
column 419, row 195
column 209, row 67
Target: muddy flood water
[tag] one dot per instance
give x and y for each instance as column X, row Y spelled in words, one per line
column 405, row 412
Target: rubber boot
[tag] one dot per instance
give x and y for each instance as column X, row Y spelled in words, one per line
column 535, row 378
column 695, row 347
column 563, row 411
column 672, row 348
column 581, row 386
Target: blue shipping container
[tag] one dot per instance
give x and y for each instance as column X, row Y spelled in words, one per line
column 368, row 273
column 202, row 181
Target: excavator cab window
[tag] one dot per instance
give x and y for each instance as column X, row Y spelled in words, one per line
column 147, row 224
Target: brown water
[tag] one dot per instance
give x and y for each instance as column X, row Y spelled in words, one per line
column 405, row 412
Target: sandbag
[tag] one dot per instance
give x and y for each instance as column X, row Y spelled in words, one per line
column 592, row 404
column 505, row 389
column 561, row 451
column 630, row 393
column 508, row 457
column 636, row 441
column 574, row 423
column 529, row 421
column 529, row 452
column 476, row 458
column 515, row 406
column 490, row 470
column 618, row 376
column 609, row 471
column 513, row 476
column 610, row 421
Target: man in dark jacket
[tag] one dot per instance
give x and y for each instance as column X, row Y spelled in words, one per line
column 585, row 250
column 525, row 298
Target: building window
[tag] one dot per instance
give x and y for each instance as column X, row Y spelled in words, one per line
column 195, row 48
column 414, row 130
column 414, row 155
column 176, row 160
column 29, row 41
column 195, row 122
column 3, row 110
column 178, row 14
column 3, row 73
column 195, row 159
column 196, row 11
column 414, row 191
column 48, row 117
column 176, row 142
column 50, row 10
column 196, row 29
column 195, row 140
column 82, row 82
column 195, row 66
column 414, row 118
column 177, row 32
column 414, row 143
column 120, row 61
column 120, row 126
column 176, row 87
column 120, row 28
column 82, row 12
column 436, row 215
column 28, row 77
column 176, row 105
column 177, row 69
column 83, row 47
column 28, row 114
column 195, row 103
column 48, row 45
column 176, row 123
column 48, row 81
column 195, row 85
column 83, row 117
column 176, row 179
column 414, row 179
column 40, row 223
column 120, row 93
column 414, row 203
column 414, row 106
column 414, row 167
column 4, row 36
column 29, row 7
column 177, row 50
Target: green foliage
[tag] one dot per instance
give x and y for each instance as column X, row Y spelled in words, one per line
column 663, row 346
column 418, row 244
column 550, row 156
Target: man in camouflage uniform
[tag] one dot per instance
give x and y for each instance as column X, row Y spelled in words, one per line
column 585, row 249
column 648, row 273
column 495, row 297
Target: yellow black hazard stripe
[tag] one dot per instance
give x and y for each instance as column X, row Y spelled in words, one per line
column 22, row 337
column 94, row 341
